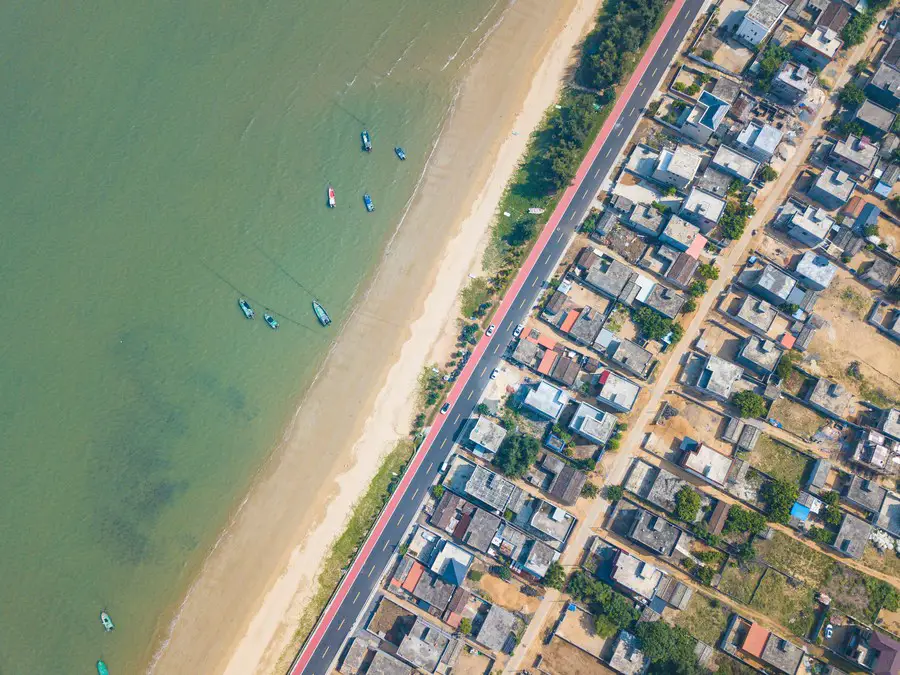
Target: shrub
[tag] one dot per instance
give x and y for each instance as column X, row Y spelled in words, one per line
column 779, row 497
column 689, row 306
column 504, row 572
column 707, row 55
column 475, row 575
column 589, row 490
column 708, row 271
column 697, row 288
column 704, row 574
column 786, row 364
column 687, row 504
column 482, row 409
column 750, row 404
column 437, row 491
column 614, row 493
column 555, row 577
column 744, row 520
column 821, row 535
column 767, row 173
column 465, row 626
column 517, row 452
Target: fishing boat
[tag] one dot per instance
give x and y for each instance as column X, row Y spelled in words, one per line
column 331, row 200
column 273, row 324
column 366, row 140
column 367, row 200
column 248, row 312
column 101, row 668
column 321, row 314
column 400, row 154
column 106, row 620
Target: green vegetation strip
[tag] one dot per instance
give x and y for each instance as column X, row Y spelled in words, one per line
column 778, row 460
column 794, row 607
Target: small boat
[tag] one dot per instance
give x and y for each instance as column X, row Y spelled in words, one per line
column 400, row 153
column 331, row 200
column 101, row 668
column 273, row 324
column 249, row 313
column 367, row 200
column 366, row 141
column 321, row 314
column 105, row 618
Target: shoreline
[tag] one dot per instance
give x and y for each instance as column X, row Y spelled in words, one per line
column 357, row 411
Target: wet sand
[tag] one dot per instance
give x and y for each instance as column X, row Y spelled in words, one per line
column 241, row 613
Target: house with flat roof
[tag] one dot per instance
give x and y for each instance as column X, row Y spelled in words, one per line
column 609, row 277
column 677, row 168
column 645, row 219
column 877, row 452
column 362, row 651
column 711, row 466
column 756, row 314
column 478, row 529
column 817, row 49
column 635, row 575
column 617, row 392
column 880, row 273
column 496, row 631
column 655, row 533
column 810, row 226
column 884, row 87
column 593, row 424
column 681, row 271
column 889, row 516
column 852, row 537
column 704, row 118
column 539, row 558
column 702, row 209
column 586, row 326
column 627, row 658
column 815, row 271
column 679, row 233
column 735, row 164
column 486, row 436
column 546, row 399
column 663, row 488
column 665, row 301
column 832, row 188
column 759, row 141
column 875, row 120
column 433, row 591
column 490, row 488
column 889, row 422
column 818, row 478
column 854, row 155
column 830, row 398
column 792, row 83
column 426, row 646
column 759, row 354
column 549, row 522
column 718, row 377
column 781, row 654
column 759, row 21
column 642, row 160
column 866, row 494
column 770, row 283
column 629, row 355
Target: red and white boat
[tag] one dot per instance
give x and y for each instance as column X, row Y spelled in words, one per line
column 331, row 200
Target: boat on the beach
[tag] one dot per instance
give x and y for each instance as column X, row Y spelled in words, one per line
column 321, row 314
column 367, row 200
column 101, row 668
column 273, row 324
column 106, row 620
column 366, row 141
column 248, row 312
column 400, row 154
column 331, row 200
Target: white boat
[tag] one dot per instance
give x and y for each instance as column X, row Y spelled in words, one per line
column 331, row 200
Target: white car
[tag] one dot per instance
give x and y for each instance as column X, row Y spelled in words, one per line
column 494, row 373
column 829, row 631
column 518, row 331
column 882, row 25
column 490, row 330
column 445, row 408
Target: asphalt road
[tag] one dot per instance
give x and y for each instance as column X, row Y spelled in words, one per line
column 318, row 655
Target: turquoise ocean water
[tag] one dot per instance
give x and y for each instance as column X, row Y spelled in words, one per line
column 160, row 159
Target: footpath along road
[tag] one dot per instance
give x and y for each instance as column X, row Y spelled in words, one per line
column 348, row 602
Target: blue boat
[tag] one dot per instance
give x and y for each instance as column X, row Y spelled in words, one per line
column 366, row 141
column 273, row 324
column 367, row 200
column 400, row 153
column 246, row 308
column 102, row 669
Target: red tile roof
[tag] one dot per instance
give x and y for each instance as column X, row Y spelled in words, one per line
column 547, row 362
column 788, row 341
column 546, row 340
column 570, row 320
column 696, row 247
column 755, row 641
column 409, row 584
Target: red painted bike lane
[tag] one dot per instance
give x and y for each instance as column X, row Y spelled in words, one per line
column 363, row 555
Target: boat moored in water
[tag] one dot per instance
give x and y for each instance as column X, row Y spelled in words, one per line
column 400, row 154
column 367, row 200
column 331, row 200
column 321, row 314
column 366, row 140
column 101, row 668
column 105, row 619
column 249, row 313
column 273, row 324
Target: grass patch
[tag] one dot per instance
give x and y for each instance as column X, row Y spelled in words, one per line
column 887, row 562
column 704, row 618
column 791, row 606
column 778, row 460
column 740, row 582
column 855, row 593
column 796, row 558
column 797, row 418
column 854, row 302
column 346, row 545
column 876, row 396
column 476, row 293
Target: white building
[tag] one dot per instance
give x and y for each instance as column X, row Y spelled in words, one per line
column 677, row 168
column 702, row 209
column 759, row 20
column 760, row 142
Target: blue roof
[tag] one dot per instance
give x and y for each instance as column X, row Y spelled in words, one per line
column 716, row 109
column 799, row 511
column 868, row 216
column 455, row 571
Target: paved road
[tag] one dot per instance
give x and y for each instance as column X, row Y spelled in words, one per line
column 341, row 615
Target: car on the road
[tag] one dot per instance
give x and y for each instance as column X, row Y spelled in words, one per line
column 445, row 408
column 490, row 330
column 829, row 631
column 882, row 25
column 494, row 373
column 518, row 331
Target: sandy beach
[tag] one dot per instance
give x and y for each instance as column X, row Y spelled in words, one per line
column 241, row 613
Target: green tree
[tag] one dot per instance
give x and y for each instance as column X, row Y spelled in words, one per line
column 833, row 513
column 652, row 324
column 465, row 626
column 734, row 218
column 517, row 452
column 750, row 404
column 689, row 306
column 744, row 520
column 855, row 30
column 589, row 490
column 555, row 576
column 614, row 493
column 767, row 173
column 779, row 497
column 852, row 96
column 504, row 572
column 482, row 409
column 786, row 364
column 670, row 649
column 437, row 491
column 707, row 55
column 772, row 59
column 708, row 271
column 871, row 230
column 687, row 504
column 697, row 288
column 821, row 535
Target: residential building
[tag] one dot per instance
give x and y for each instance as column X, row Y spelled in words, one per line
column 665, row 301
column 630, row 356
column 792, row 83
column 889, row 422
column 585, row 326
column 566, row 485
column 527, row 352
column 434, row 591
column 363, row 650
column 852, row 536
column 702, row 209
column 817, row 49
column 627, row 658
column 884, row 87
column 546, row 399
column 879, row 274
column 539, row 558
column 770, row 283
column 866, row 494
column 642, row 160
column 655, row 533
column 815, row 271
column 708, row 464
column 876, row 121
column 759, row 21
column 757, row 315
column 759, row 354
column 886, row 650
column 759, row 141
column 609, row 277
column 810, row 226
column 679, row 233
column 854, row 155
column 547, row 521
column 486, row 436
column 645, row 219
column 714, row 182
column 490, row 488
column 877, row 452
column 617, row 392
column 426, row 646
column 677, row 168
column 781, row 654
column 593, row 424
column 635, row 575
column 755, row 640
column 565, row 369
column 681, row 271
column 735, row 164
column 496, row 631
column 832, row 188
column 719, row 517
column 663, row 488
column 718, row 377
column 818, row 478
column 704, row 118
column 450, row 562
column 830, row 398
